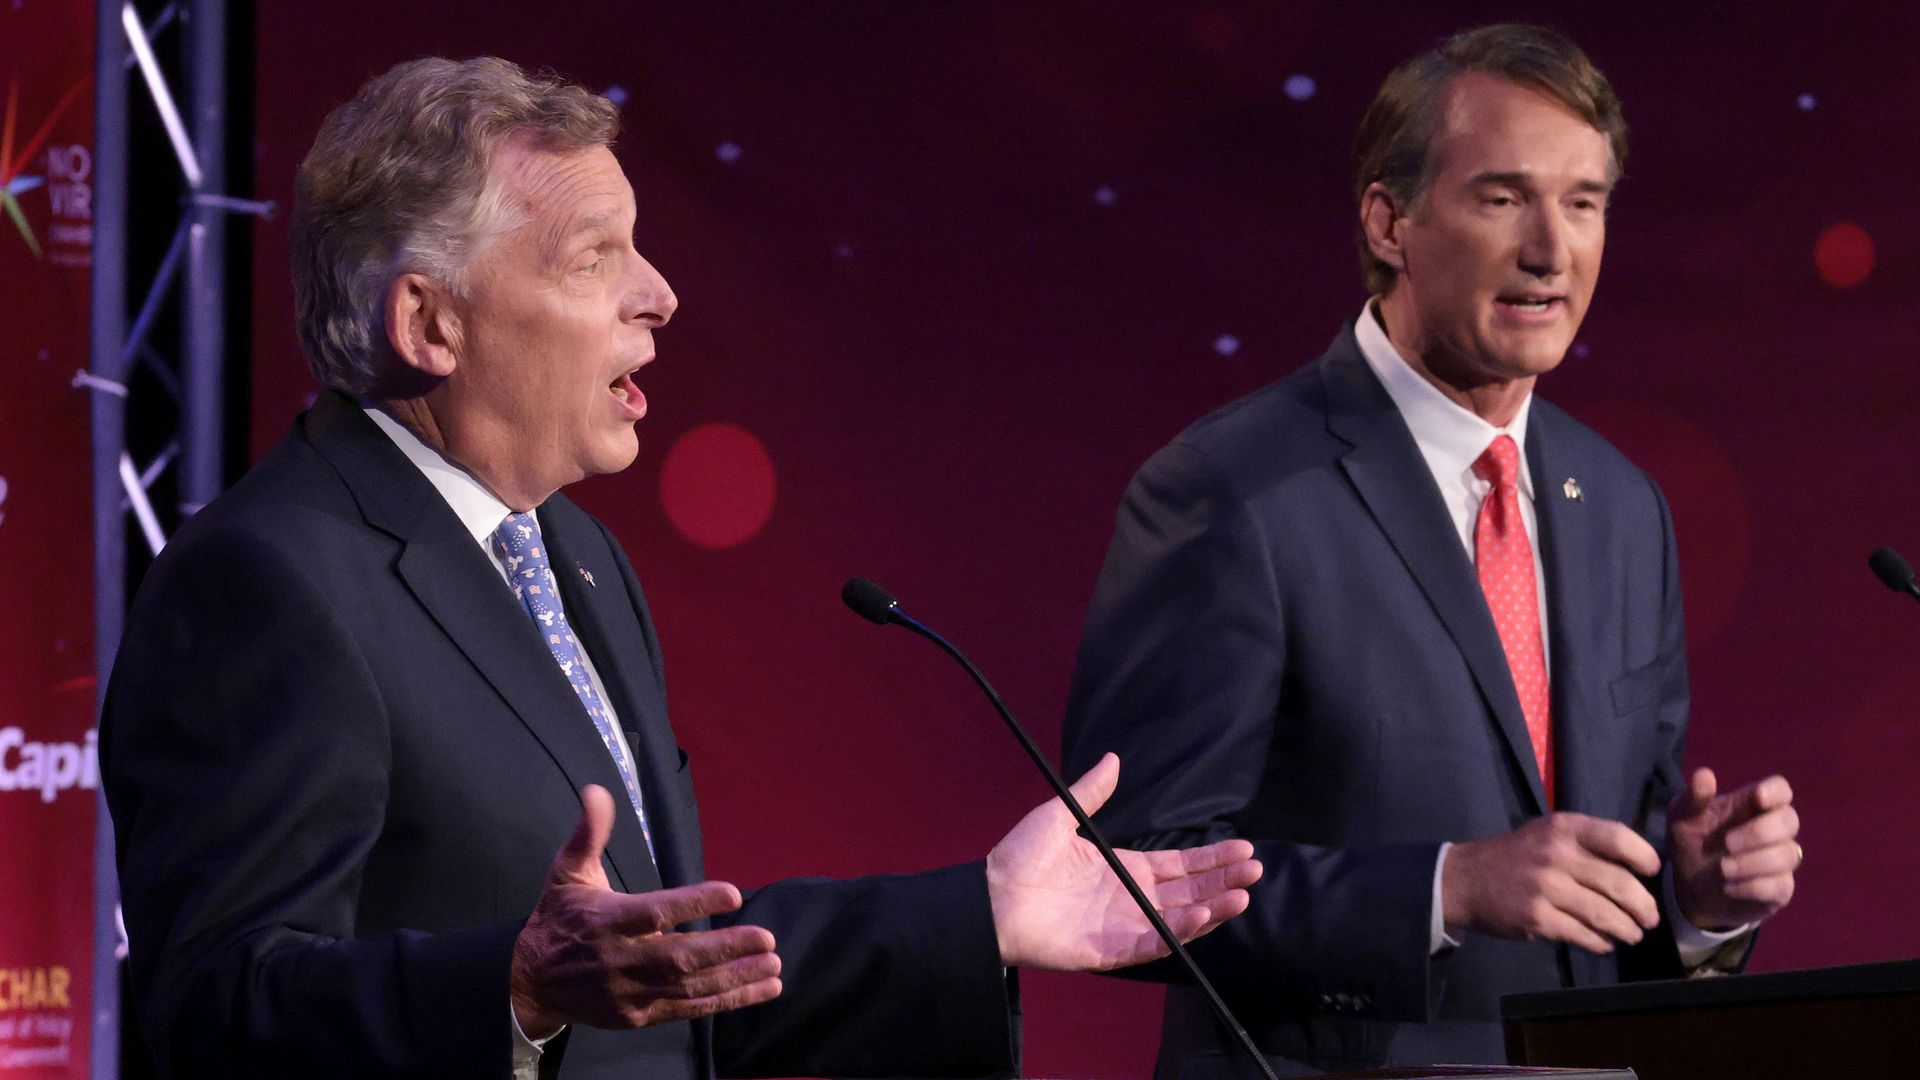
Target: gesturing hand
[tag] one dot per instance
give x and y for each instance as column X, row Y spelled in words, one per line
column 1057, row 904
column 1734, row 854
column 1565, row 877
column 590, row 955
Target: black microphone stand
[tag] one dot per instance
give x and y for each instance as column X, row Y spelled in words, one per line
column 874, row 603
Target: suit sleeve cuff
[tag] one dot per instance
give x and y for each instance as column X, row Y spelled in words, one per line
column 1439, row 938
column 526, row 1049
column 1700, row 949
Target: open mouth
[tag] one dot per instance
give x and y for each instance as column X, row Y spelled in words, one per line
column 627, row 397
column 1536, row 305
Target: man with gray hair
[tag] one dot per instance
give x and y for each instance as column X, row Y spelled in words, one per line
column 365, row 694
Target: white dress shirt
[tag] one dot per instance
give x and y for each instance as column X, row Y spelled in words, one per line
column 1451, row 438
column 481, row 511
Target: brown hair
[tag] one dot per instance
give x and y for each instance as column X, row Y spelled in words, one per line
column 398, row 182
column 1393, row 144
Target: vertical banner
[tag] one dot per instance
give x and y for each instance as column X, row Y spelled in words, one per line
column 48, row 766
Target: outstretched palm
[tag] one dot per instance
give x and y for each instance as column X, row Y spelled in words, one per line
column 1057, row 905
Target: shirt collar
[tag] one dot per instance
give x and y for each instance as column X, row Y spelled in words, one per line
column 480, row 510
column 1450, row 436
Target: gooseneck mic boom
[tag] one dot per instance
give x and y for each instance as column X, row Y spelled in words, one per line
column 1893, row 571
column 875, row 604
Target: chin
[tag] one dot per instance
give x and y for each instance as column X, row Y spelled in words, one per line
column 1526, row 359
column 1537, row 363
column 614, row 456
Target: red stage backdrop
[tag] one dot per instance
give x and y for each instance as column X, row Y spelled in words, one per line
column 48, row 771
column 950, row 272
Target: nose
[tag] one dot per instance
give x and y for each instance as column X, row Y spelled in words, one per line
column 1544, row 248
column 650, row 302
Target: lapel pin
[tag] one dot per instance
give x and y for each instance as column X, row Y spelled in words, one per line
column 588, row 574
column 1571, row 489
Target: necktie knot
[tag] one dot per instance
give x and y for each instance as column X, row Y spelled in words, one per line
column 1499, row 463
column 519, row 534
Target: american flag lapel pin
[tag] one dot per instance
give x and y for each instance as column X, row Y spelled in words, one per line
column 1571, row 489
column 588, row 574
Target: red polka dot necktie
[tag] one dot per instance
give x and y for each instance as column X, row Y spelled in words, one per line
column 1504, row 558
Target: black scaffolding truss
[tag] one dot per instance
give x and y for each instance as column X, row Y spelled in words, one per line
column 183, row 396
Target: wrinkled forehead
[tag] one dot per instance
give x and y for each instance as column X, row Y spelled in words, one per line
column 553, row 199
column 1488, row 124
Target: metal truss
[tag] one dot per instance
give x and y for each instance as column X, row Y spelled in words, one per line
column 191, row 279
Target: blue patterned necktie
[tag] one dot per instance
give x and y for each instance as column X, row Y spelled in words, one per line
column 518, row 539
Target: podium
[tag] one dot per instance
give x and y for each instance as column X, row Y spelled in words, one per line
column 1860, row 1022
column 1483, row 1073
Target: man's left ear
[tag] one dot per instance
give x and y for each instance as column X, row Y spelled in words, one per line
column 421, row 325
column 1381, row 219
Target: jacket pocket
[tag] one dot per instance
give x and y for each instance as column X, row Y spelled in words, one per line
column 1642, row 686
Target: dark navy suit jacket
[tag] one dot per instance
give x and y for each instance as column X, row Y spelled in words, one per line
column 1289, row 643
column 340, row 759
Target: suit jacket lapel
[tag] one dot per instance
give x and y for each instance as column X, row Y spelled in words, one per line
column 1391, row 477
column 1584, row 747
column 462, row 590
column 609, row 628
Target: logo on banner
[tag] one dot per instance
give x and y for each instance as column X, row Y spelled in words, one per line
column 49, row 769
column 67, row 179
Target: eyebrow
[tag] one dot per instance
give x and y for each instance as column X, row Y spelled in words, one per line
column 1523, row 179
column 590, row 223
column 558, row 244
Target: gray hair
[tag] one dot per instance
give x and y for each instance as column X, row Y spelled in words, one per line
column 399, row 182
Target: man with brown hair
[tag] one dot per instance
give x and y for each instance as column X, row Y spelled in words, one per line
column 366, row 694
column 1418, row 633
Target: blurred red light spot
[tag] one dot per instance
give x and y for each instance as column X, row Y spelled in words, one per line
column 1844, row 255
column 717, row 485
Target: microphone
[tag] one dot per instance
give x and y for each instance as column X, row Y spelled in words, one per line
column 1893, row 571
column 875, row 604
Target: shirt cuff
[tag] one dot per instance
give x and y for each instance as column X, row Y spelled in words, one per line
column 1696, row 946
column 526, row 1051
column 1438, row 939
